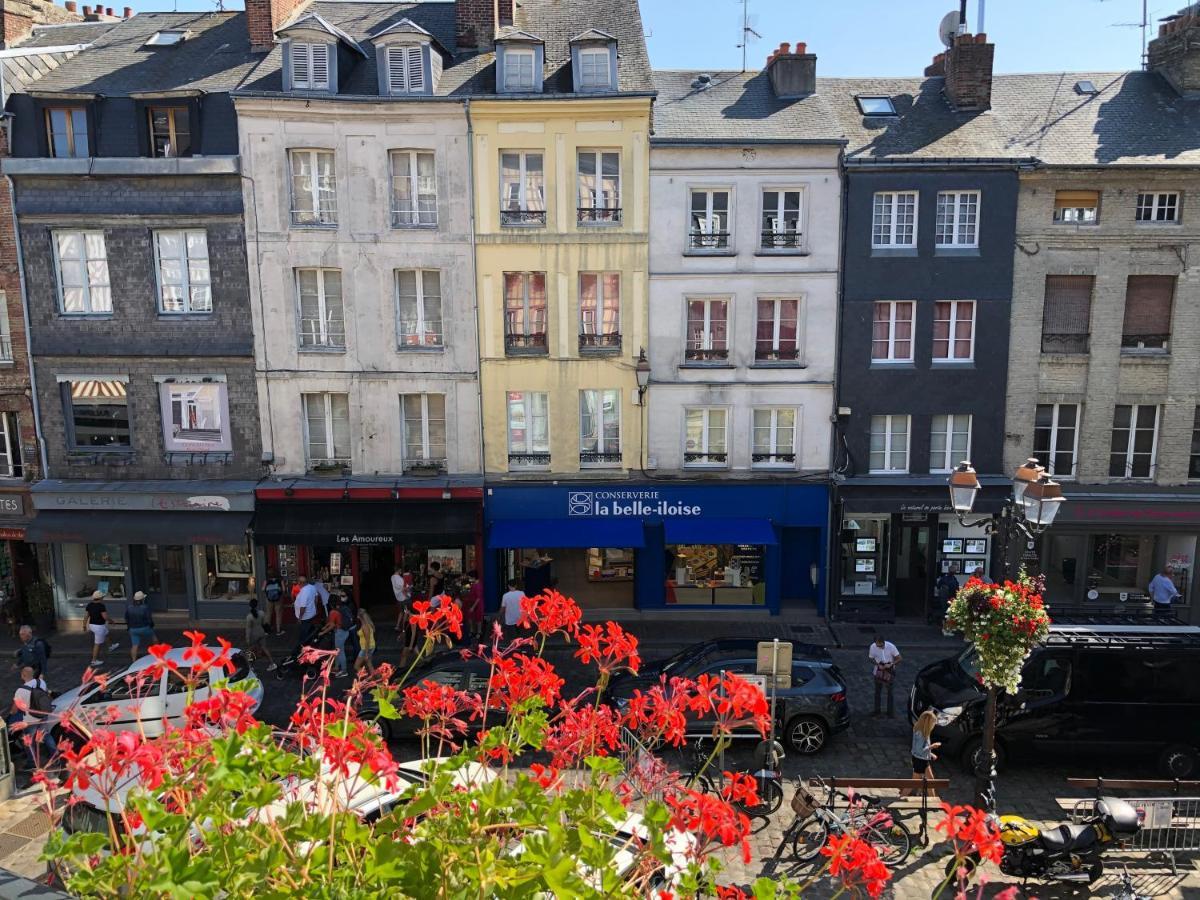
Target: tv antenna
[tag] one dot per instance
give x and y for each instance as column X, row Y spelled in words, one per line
column 748, row 32
column 1144, row 25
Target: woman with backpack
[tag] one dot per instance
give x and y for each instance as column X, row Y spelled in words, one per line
column 256, row 634
column 340, row 620
column 273, row 592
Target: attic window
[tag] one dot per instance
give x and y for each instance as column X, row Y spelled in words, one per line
column 166, row 38
column 876, row 106
column 1085, row 87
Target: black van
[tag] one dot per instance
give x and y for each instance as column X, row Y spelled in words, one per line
column 1128, row 690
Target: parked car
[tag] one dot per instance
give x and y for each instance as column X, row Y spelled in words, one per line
column 807, row 713
column 121, row 705
column 1116, row 689
column 450, row 668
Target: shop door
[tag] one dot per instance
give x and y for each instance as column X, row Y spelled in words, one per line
column 912, row 570
column 167, row 577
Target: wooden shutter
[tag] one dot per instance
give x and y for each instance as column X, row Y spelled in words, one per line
column 1148, row 307
column 301, row 71
column 397, row 76
column 1067, row 313
column 416, row 72
column 320, row 65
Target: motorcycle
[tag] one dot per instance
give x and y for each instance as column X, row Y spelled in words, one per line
column 1064, row 853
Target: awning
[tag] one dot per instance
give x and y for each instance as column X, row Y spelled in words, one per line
column 719, row 531
column 51, row 526
column 581, row 532
column 364, row 522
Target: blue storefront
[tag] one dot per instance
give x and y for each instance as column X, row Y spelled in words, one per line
column 655, row 545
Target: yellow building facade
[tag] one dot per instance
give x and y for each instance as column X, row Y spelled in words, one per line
column 558, row 233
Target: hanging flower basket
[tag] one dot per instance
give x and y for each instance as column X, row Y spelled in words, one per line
column 1004, row 622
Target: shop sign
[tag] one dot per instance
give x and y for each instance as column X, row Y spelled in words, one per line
column 636, row 503
column 12, row 534
column 12, row 505
column 363, row 540
column 925, row 507
column 122, row 501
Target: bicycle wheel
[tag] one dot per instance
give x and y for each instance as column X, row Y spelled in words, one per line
column 890, row 839
column 770, row 797
column 809, row 837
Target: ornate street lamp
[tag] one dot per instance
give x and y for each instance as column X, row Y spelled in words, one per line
column 642, row 373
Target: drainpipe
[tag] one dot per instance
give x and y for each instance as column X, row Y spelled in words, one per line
column 834, row 527
column 33, row 393
column 262, row 315
column 475, row 281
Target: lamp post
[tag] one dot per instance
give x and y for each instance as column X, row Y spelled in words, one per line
column 1029, row 511
column 641, row 372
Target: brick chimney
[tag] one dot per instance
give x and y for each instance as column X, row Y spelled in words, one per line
column 1175, row 53
column 793, row 73
column 17, row 18
column 476, row 22
column 265, row 17
column 968, row 69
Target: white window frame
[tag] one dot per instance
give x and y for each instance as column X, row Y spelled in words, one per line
column 1131, row 439
column 517, row 84
column 66, row 384
column 892, row 358
column 427, row 456
column 13, row 465
column 188, row 279
column 330, row 440
column 1054, row 450
column 526, row 402
column 423, row 310
column 960, row 227
column 707, row 226
column 309, row 82
column 319, row 218
column 88, row 263
column 886, row 224
column 167, row 385
column 707, row 340
column 706, row 433
column 6, row 345
column 955, row 319
column 414, row 217
column 889, row 450
column 324, row 340
column 1157, row 203
column 797, row 236
column 776, row 325
column 596, row 328
column 523, row 192
column 598, row 191
column 775, row 432
column 594, row 83
column 408, row 84
column 602, row 444
column 953, row 421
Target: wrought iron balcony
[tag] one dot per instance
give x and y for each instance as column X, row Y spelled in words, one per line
column 529, row 460
column 773, row 458
column 781, row 354
column 428, row 466
column 712, row 354
column 701, row 459
column 594, row 458
column 781, row 240
column 599, row 215
column 709, row 240
column 611, row 341
column 525, row 217
column 526, row 344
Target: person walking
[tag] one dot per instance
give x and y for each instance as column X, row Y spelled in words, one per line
column 886, row 657
column 95, row 620
column 922, row 748
column 338, row 621
column 510, row 607
column 305, row 608
column 256, row 633
column 473, row 607
column 140, row 620
column 273, row 593
column 32, row 652
column 33, row 706
column 402, row 593
column 435, row 580
column 366, row 643
column 1163, row 592
column 944, row 590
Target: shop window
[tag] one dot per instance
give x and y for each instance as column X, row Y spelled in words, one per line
column 1148, row 302
column 94, row 567
column 322, row 314
column 781, row 220
column 525, row 315
column 715, row 574
column 709, row 222
column 10, row 446
column 327, row 430
column 419, row 308
column 82, row 263
column 600, row 577
column 314, row 187
column 1067, row 313
column 528, row 430
column 609, row 564
column 195, row 414
column 67, row 130
column 423, row 417
column 1134, row 442
column 599, row 185
column 184, row 280
column 949, row 442
column 707, row 330
column 777, row 335
column 705, row 437
column 599, row 428
column 1118, row 563
column 773, row 442
column 892, row 332
column 170, row 131
column 97, row 413
column 954, row 331
column 1056, row 437
column 1077, row 207
column 522, row 189
column 599, row 310
column 957, row 223
column 226, row 572
column 889, row 444
column 894, row 220
column 414, row 189
column 864, row 555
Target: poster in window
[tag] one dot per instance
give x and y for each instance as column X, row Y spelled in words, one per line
column 232, row 560
column 451, row 560
column 976, row 545
column 952, row 545
column 971, row 566
column 105, row 559
column 195, row 417
column 864, row 565
column 864, row 545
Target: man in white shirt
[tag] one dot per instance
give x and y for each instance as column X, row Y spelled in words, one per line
column 510, row 605
column 1163, row 592
column 305, row 608
column 886, row 657
column 32, row 705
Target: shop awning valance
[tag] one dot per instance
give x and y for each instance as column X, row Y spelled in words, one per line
column 758, row 532
column 581, row 532
column 52, row 526
column 334, row 522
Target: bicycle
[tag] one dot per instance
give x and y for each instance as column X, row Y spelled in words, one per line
column 865, row 817
column 766, row 782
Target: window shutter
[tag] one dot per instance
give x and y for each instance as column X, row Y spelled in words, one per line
column 1068, row 308
column 301, row 72
column 1073, row 199
column 416, row 72
column 397, row 77
column 1148, row 305
column 320, row 65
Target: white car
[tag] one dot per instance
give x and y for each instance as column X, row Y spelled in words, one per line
column 122, row 706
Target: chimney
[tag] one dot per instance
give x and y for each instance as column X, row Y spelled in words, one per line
column 793, row 73
column 70, row 6
column 477, row 21
column 127, row 12
column 1175, row 53
column 264, row 18
column 17, row 18
column 968, row 69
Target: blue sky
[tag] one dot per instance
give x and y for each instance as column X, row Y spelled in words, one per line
column 876, row 37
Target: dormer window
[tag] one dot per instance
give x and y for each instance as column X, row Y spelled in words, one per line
column 310, row 66
column 518, row 69
column 406, row 70
column 594, row 61
column 520, row 60
column 593, row 68
column 409, row 59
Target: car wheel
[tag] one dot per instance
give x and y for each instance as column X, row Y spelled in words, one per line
column 972, row 755
column 806, row 735
column 1179, row 761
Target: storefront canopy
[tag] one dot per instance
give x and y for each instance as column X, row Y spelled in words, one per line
column 757, row 532
column 52, row 526
column 581, row 532
column 333, row 522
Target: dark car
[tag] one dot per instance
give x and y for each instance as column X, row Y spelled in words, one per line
column 807, row 713
column 1104, row 690
column 449, row 667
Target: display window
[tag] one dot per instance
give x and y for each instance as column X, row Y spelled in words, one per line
column 715, row 574
column 864, row 555
column 596, row 577
column 94, row 567
column 225, row 571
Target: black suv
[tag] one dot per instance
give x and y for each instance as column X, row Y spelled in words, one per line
column 1119, row 689
column 812, row 709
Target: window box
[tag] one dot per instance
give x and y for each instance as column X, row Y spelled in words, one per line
column 425, row 467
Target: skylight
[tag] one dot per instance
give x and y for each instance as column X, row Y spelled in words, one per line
column 1085, row 87
column 876, row 106
column 166, row 38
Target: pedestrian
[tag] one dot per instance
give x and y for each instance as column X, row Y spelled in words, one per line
column 1163, row 592
column 322, row 585
column 435, row 579
column 944, row 590
column 338, row 621
column 305, row 608
column 510, row 607
column 922, row 748
column 96, row 621
column 33, row 706
column 473, row 606
column 256, row 634
column 140, row 621
column 32, row 652
column 886, row 657
column 273, row 592
column 366, row 643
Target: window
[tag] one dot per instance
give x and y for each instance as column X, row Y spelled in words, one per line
column 1115, row 564
column 322, row 315
column 11, row 465
column 954, row 331
column 599, row 186
column 314, row 188
column 97, row 413
column 6, row 344
column 419, row 308
column 865, row 552
column 781, row 220
column 1077, row 207
column 889, row 444
column 414, row 189
column 876, row 106
column 82, row 272
column 1134, row 442
column 894, row 221
column 1067, row 313
column 518, row 69
column 1194, row 458
column 1056, row 437
column 599, row 310
column 600, row 428
column 1161, row 207
column 704, row 437
column 405, row 70
column 709, row 220
column 528, row 429
column 892, row 331
column 593, row 69
column 327, row 430
column 310, row 65
column 184, row 281
column 423, row 418
column 957, row 223
column 1148, row 300
column 773, row 442
column 707, row 330
column 525, row 312
column 949, row 442
column 195, row 415
column 777, row 332
column 170, row 131
column 522, row 189
column 67, row 130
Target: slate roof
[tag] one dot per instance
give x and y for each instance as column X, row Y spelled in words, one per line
column 64, row 35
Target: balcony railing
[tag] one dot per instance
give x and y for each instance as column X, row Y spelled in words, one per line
column 6, row 348
column 311, row 337
column 427, row 466
column 709, row 240
column 595, row 458
column 525, row 217
column 705, row 459
column 599, row 215
column 526, row 344
column 325, row 465
column 1145, row 341
column 712, row 354
column 611, row 341
column 773, row 354
column 529, row 460
column 781, row 240
column 773, row 458
column 1064, row 343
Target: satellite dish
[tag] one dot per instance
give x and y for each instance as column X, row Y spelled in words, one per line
column 949, row 27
